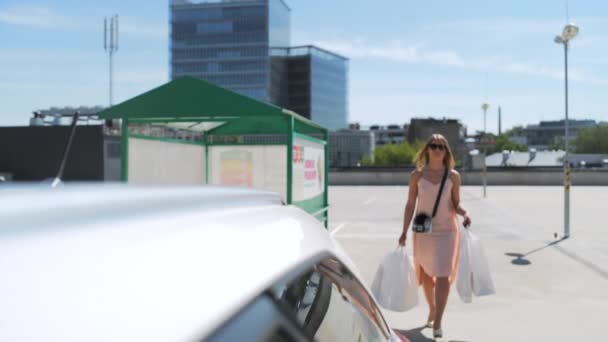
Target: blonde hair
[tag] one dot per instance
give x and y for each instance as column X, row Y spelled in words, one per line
column 422, row 157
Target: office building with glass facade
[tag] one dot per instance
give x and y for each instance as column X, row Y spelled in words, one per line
column 227, row 42
column 348, row 148
column 317, row 85
column 243, row 45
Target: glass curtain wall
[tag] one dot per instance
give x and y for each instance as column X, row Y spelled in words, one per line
column 328, row 73
column 225, row 43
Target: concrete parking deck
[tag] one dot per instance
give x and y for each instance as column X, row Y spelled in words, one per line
column 547, row 289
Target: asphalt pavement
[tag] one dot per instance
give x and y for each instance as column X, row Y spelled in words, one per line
column 548, row 288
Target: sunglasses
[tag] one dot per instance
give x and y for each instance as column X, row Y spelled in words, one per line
column 437, row 147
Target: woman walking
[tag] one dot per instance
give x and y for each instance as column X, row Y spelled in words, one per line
column 435, row 252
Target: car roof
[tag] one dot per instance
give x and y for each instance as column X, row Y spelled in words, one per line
column 111, row 262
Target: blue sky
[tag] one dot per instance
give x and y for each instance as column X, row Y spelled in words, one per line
column 407, row 58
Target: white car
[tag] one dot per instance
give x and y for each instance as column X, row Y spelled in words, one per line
column 124, row 263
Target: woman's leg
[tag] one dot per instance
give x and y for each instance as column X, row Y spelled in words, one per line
column 442, row 290
column 429, row 292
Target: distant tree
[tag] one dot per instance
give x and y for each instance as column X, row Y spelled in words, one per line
column 558, row 145
column 592, row 140
column 503, row 142
column 366, row 161
column 515, row 131
column 395, row 154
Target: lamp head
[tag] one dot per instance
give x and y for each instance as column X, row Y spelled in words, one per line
column 570, row 31
column 558, row 40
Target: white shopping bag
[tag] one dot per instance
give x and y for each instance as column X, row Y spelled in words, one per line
column 482, row 279
column 395, row 286
column 464, row 280
column 474, row 276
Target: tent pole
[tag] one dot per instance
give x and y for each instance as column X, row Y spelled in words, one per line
column 124, row 160
column 290, row 126
column 206, row 142
column 326, row 167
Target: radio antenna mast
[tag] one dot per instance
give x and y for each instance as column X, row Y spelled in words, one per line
column 110, row 45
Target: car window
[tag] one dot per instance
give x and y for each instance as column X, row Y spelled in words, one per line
column 332, row 305
column 263, row 320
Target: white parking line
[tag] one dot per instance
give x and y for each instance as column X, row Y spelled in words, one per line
column 369, row 201
column 340, row 226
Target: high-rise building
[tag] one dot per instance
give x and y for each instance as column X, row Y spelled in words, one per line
column 227, row 42
column 244, row 46
column 316, row 82
column 548, row 133
column 347, row 148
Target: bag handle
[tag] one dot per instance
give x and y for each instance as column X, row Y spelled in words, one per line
column 445, row 176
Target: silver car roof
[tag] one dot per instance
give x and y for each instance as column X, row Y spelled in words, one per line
column 113, row 263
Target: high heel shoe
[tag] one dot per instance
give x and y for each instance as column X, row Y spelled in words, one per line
column 437, row 333
column 430, row 321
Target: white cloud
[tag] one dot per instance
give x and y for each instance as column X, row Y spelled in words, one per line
column 513, row 28
column 396, row 51
column 160, row 32
column 32, row 16
column 393, row 51
column 510, row 26
column 46, row 18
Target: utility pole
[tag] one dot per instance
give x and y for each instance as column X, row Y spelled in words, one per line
column 485, row 106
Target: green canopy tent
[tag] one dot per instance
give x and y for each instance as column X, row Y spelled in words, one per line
column 220, row 155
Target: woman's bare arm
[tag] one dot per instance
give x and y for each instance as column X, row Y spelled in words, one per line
column 460, row 210
column 411, row 200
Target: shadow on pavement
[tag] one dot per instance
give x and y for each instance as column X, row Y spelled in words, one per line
column 520, row 259
column 415, row 335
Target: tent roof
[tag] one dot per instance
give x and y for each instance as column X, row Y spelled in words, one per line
column 188, row 98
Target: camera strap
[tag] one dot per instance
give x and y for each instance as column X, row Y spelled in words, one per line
column 445, row 176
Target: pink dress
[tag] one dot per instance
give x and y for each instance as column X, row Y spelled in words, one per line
column 437, row 253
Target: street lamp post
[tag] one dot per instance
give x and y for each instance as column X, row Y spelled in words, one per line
column 485, row 107
column 570, row 31
column 469, row 144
